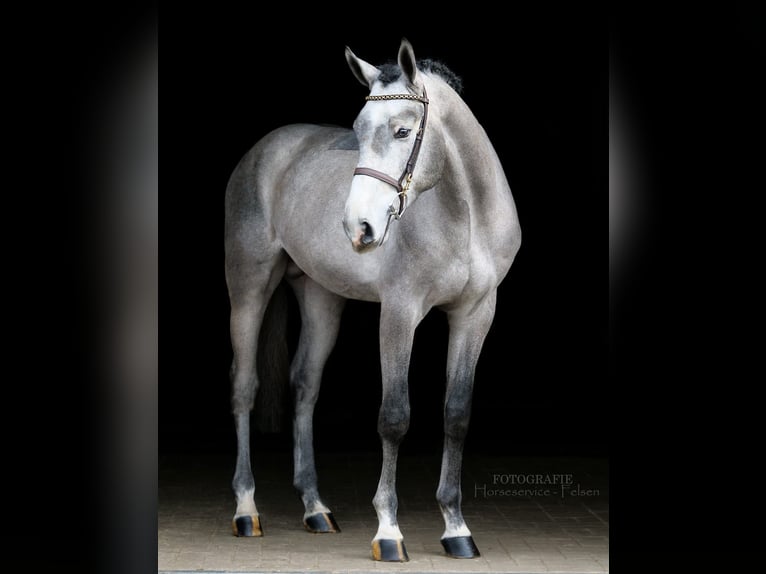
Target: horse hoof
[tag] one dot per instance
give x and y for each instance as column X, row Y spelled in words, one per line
column 460, row 547
column 248, row 525
column 389, row 551
column 321, row 523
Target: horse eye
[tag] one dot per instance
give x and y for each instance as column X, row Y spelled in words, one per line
column 402, row 133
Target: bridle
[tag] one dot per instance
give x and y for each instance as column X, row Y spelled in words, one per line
column 403, row 183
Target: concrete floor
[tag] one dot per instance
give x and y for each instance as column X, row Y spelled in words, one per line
column 545, row 530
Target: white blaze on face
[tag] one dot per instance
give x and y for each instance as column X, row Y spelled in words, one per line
column 370, row 200
column 367, row 211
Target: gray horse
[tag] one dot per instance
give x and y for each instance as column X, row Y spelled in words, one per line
column 411, row 210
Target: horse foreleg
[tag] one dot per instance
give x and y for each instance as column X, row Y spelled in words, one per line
column 320, row 320
column 397, row 328
column 468, row 330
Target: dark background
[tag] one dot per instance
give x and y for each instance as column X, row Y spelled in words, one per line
column 537, row 83
column 684, row 364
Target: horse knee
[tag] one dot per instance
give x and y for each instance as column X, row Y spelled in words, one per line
column 393, row 423
column 457, row 415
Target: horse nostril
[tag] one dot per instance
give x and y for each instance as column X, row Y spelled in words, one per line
column 367, row 234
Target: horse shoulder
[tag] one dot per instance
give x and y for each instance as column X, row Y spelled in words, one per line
column 431, row 258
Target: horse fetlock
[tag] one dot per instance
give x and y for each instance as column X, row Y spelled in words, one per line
column 243, row 486
column 305, row 482
column 388, row 529
column 448, row 497
column 314, row 505
column 385, row 505
column 454, row 524
column 245, row 499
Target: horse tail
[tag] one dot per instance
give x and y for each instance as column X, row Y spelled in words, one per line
column 272, row 365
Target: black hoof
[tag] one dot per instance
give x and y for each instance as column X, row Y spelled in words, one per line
column 320, row 523
column 389, row 551
column 460, row 547
column 249, row 525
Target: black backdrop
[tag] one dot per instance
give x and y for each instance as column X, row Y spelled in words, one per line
column 538, row 84
column 683, row 423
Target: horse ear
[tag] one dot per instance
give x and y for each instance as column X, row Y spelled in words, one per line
column 365, row 72
column 407, row 62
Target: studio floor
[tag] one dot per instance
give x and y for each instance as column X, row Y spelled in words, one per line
column 526, row 515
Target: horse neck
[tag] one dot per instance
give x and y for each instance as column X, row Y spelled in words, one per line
column 472, row 170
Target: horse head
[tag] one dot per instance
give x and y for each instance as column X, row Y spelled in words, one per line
column 400, row 148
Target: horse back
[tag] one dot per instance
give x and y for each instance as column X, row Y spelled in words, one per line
column 251, row 189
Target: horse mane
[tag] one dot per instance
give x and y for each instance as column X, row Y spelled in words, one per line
column 391, row 72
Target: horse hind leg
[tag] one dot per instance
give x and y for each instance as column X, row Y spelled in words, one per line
column 320, row 320
column 467, row 333
column 250, row 289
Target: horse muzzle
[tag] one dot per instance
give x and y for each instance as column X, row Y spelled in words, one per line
column 361, row 234
column 367, row 214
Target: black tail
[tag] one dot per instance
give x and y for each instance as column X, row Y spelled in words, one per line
column 273, row 366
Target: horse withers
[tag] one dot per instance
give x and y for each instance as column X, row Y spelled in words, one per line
column 411, row 209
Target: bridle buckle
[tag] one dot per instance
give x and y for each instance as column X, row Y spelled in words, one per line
column 406, row 185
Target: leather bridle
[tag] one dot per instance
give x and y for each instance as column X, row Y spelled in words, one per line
column 403, row 183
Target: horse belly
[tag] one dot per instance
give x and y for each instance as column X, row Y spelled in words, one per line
column 333, row 274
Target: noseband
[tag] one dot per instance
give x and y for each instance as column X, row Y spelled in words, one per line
column 403, row 183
